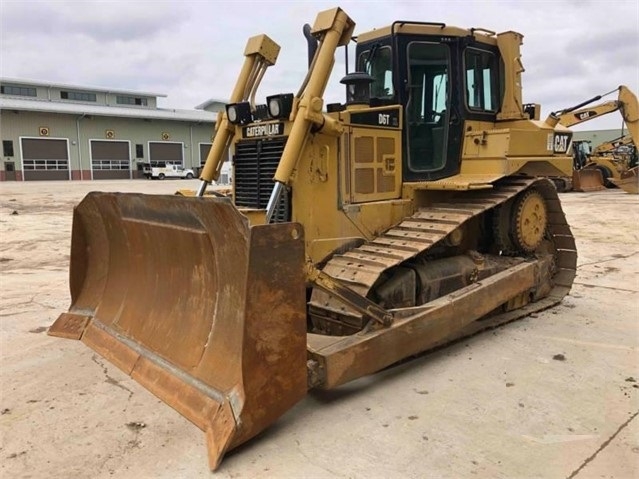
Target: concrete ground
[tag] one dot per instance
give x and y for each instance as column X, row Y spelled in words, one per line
column 502, row 404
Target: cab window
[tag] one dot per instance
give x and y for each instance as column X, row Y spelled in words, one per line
column 377, row 62
column 482, row 91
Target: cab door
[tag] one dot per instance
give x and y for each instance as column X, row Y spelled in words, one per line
column 432, row 137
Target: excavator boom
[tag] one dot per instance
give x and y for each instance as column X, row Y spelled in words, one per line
column 597, row 171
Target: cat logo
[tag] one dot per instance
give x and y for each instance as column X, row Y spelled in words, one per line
column 109, row 134
column 559, row 142
column 586, row 115
column 165, row 136
column 44, row 131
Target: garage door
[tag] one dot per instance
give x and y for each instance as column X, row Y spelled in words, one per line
column 110, row 160
column 165, row 153
column 45, row 159
column 225, row 171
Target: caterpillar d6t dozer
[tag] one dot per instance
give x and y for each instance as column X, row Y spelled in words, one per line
column 357, row 234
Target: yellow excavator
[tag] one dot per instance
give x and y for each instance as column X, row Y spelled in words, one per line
column 620, row 156
column 625, row 159
column 594, row 170
column 615, row 160
column 357, row 234
column 613, row 146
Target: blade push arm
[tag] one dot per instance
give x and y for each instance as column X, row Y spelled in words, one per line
column 333, row 28
column 260, row 53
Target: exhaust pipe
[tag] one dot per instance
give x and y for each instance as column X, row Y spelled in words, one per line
column 311, row 41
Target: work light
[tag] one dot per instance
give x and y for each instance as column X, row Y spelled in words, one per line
column 239, row 113
column 279, row 106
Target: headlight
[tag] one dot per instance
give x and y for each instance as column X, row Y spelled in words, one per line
column 231, row 112
column 239, row 113
column 280, row 106
column 274, row 107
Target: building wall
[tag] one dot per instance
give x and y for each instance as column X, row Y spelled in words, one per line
column 79, row 130
column 597, row 137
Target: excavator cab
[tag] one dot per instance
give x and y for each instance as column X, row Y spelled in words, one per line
column 585, row 179
column 356, row 235
column 581, row 150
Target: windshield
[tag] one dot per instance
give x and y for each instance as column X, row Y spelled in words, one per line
column 377, row 62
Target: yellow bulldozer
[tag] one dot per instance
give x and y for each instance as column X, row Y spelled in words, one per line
column 605, row 166
column 357, row 234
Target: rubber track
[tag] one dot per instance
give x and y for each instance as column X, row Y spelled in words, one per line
column 360, row 267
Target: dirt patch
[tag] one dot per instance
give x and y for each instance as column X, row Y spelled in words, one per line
column 135, row 426
column 41, row 329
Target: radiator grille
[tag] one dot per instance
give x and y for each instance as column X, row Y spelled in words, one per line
column 255, row 165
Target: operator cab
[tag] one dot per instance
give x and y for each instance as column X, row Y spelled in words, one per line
column 440, row 80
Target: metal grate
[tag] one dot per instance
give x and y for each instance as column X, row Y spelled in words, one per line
column 255, row 165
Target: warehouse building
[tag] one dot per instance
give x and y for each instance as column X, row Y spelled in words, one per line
column 597, row 137
column 64, row 132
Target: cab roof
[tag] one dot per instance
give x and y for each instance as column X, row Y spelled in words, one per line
column 482, row 35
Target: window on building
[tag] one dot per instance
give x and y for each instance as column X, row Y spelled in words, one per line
column 131, row 100
column 17, row 90
column 110, row 164
column 7, row 147
column 78, row 96
column 139, row 151
column 45, row 164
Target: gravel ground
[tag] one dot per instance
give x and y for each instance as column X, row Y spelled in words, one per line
column 554, row 395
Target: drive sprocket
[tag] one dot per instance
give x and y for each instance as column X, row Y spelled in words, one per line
column 529, row 220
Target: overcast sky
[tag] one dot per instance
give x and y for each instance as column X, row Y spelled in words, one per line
column 192, row 50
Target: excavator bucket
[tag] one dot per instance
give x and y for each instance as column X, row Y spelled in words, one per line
column 205, row 311
column 587, row 179
column 629, row 181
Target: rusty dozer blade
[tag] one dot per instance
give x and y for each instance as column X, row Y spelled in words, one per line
column 629, row 181
column 587, row 179
column 203, row 310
